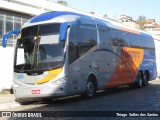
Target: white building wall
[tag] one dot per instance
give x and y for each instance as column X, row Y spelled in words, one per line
column 154, row 32
column 33, row 7
column 157, row 44
column 6, row 67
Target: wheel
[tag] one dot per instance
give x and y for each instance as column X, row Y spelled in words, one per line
column 90, row 89
column 11, row 90
column 145, row 79
column 139, row 83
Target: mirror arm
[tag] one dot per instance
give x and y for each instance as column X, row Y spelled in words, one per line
column 6, row 36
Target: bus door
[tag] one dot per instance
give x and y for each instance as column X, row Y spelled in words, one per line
column 74, row 62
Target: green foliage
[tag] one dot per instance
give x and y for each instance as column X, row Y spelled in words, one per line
column 142, row 21
column 105, row 16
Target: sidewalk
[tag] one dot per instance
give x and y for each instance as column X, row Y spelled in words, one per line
column 7, row 100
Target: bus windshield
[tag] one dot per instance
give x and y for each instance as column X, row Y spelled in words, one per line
column 39, row 49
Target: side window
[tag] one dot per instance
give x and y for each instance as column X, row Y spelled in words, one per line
column 134, row 40
column 104, row 34
column 119, row 38
column 140, row 41
column 87, row 38
column 73, row 53
column 149, row 42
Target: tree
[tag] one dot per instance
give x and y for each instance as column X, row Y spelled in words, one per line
column 105, row 16
column 142, row 21
column 62, row 2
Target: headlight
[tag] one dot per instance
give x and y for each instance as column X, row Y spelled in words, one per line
column 60, row 81
column 15, row 84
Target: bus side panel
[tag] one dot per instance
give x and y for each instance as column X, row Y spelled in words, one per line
column 127, row 67
column 106, row 62
column 149, row 63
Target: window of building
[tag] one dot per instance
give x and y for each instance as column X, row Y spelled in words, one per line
column 17, row 23
column 1, row 26
column 9, row 27
column 10, row 20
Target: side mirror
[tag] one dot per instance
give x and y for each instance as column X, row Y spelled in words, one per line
column 63, row 31
column 6, row 36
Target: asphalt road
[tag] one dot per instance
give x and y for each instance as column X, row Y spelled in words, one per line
column 146, row 99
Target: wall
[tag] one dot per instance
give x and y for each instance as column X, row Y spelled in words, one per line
column 157, row 44
column 6, row 67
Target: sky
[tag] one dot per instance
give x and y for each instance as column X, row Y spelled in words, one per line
column 114, row 8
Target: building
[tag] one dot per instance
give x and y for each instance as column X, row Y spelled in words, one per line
column 151, row 25
column 127, row 20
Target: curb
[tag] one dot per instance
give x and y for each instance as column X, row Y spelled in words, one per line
column 9, row 105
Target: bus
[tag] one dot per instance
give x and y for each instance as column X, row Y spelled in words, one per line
column 65, row 53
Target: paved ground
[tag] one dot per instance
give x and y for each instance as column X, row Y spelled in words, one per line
column 7, row 100
column 146, row 99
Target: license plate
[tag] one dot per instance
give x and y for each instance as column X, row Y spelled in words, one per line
column 36, row 91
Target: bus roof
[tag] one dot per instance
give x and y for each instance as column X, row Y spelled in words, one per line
column 51, row 15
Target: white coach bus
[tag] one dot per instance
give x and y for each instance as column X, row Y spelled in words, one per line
column 65, row 53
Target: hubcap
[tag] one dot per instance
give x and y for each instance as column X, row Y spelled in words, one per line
column 140, row 82
column 90, row 89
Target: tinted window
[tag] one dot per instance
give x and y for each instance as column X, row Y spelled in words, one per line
column 134, row 40
column 49, row 29
column 148, row 42
column 29, row 31
column 73, row 54
column 87, row 38
column 119, row 38
column 46, row 29
column 104, row 34
column 140, row 41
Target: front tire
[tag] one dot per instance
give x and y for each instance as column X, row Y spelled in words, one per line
column 90, row 89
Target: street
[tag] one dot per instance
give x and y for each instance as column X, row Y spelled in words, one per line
column 120, row 99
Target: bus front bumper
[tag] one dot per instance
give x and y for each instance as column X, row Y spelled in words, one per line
column 39, row 93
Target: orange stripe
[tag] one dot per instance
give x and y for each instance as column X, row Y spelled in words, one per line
column 129, row 30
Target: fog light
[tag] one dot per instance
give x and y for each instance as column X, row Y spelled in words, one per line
column 60, row 81
column 15, row 85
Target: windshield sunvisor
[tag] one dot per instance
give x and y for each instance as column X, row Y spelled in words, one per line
column 63, row 31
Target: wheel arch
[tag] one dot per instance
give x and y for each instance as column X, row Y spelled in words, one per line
column 147, row 72
column 94, row 78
